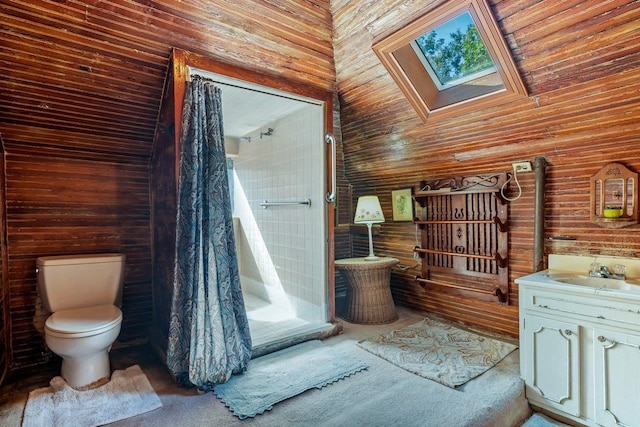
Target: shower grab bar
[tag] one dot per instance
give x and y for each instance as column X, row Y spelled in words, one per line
column 265, row 204
column 331, row 197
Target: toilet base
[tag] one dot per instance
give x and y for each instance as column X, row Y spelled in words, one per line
column 85, row 371
column 85, row 359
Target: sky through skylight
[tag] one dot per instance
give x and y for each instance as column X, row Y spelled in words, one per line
column 454, row 52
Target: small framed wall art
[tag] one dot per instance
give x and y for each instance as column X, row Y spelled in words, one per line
column 402, row 204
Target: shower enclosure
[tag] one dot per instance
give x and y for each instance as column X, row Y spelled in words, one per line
column 279, row 171
column 275, row 142
column 278, row 194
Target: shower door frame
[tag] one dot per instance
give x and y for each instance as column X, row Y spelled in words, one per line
column 183, row 60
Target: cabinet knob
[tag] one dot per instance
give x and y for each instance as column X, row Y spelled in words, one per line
column 568, row 332
column 610, row 343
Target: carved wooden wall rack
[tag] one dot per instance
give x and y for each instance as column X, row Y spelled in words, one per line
column 464, row 236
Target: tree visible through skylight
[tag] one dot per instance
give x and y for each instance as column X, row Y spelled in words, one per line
column 455, row 52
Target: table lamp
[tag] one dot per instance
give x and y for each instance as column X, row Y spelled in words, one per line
column 369, row 212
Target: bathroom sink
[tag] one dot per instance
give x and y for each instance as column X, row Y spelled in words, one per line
column 571, row 273
column 595, row 282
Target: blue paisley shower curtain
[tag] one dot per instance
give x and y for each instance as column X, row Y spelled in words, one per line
column 208, row 333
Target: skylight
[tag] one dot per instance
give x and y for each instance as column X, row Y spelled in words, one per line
column 452, row 60
column 454, row 53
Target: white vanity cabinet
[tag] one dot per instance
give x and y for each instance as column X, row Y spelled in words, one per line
column 617, row 377
column 580, row 351
column 551, row 366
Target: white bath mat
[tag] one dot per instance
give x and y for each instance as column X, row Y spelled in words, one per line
column 129, row 393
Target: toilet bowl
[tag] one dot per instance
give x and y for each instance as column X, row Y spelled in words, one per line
column 82, row 338
column 82, row 293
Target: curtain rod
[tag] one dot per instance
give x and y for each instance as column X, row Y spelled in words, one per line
column 241, row 84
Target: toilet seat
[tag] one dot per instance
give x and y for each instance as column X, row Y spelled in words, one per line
column 83, row 322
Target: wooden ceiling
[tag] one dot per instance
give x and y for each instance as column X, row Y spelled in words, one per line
column 88, row 75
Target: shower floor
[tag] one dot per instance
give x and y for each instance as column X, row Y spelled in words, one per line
column 269, row 324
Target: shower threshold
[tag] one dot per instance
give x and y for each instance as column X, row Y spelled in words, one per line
column 272, row 330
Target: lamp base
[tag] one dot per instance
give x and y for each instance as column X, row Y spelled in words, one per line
column 372, row 258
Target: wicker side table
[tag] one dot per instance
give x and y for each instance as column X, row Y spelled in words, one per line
column 369, row 299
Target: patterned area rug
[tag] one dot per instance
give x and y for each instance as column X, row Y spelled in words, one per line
column 286, row 373
column 129, row 393
column 439, row 351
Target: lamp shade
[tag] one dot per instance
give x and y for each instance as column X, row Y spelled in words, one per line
column 368, row 210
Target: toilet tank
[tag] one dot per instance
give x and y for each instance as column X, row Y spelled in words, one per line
column 75, row 281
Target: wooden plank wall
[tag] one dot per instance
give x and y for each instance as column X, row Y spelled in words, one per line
column 61, row 202
column 81, row 90
column 163, row 210
column 580, row 62
column 4, row 265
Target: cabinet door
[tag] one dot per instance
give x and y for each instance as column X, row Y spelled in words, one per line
column 617, row 378
column 552, row 371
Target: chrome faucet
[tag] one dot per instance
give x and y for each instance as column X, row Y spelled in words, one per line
column 603, row 271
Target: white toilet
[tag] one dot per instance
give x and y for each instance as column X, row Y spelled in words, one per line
column 84, row 293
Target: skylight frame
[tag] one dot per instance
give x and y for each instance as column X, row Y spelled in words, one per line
column 397, row 55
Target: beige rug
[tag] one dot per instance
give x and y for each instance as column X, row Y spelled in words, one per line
column 129, row 393
column 439, row 351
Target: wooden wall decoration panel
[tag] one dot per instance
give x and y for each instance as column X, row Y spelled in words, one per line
column 580, row 62
column 464, row 234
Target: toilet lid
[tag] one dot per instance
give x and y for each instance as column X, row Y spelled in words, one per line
column 84, row 321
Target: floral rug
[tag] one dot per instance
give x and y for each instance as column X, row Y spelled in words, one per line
column 439, row 351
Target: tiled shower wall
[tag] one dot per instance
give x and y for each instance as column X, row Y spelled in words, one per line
column 281, row 249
